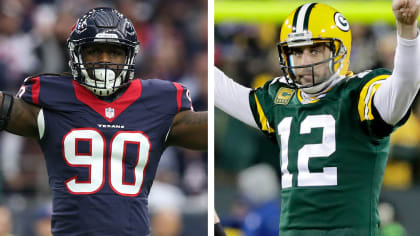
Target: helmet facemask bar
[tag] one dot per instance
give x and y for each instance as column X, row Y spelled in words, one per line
column 338, row 53
column 103, row 79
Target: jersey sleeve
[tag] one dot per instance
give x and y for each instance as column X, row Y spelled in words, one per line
column 29, row 90
column 261, row 101
column 371, row 121
column 48, row 91
column 232, row 98
column 165, row 97
column 183, row 98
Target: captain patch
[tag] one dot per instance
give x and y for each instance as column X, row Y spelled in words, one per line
column 283, row 96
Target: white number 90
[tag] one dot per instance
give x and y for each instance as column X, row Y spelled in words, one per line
column 95, row 160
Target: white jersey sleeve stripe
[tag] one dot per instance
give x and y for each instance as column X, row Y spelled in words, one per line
column 41, row 123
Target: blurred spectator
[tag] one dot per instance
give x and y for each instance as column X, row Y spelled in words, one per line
column 362, row 55
column 389, row 225
column 386, row 50
column 196, row 81
column 166, row 222
column 51, row 31
column 405, row 142
column 6, row 224
column 257, row 211
column 263, row 217
column 42, row 224
column 16, row 45
column 166, row 202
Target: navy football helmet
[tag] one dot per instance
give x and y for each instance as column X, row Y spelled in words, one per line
column 103, row 25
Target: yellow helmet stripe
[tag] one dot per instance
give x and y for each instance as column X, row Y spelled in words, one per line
column 366, row 95
column 301, row 18
column 265, row 126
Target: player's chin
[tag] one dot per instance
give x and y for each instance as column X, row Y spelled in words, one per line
column 304, row 80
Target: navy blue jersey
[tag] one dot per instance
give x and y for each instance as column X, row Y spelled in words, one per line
column 102, row 157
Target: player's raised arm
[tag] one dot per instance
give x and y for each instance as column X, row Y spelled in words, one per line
column 395, row 96
column 18, row 117
column 189, row 130
column 232, row 98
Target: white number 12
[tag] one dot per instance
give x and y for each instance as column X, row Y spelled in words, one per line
column 328, row 177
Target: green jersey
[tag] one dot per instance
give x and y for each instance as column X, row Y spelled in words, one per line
column 333, row 153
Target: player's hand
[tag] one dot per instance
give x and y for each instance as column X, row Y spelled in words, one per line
column 406, row 11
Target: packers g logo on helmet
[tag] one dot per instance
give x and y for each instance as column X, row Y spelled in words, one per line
column 314, row 23
column 341, row 22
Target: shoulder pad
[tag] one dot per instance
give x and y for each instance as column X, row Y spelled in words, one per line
column 277, row 91
column 368, row 74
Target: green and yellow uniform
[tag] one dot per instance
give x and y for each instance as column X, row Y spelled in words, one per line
column 333, row 154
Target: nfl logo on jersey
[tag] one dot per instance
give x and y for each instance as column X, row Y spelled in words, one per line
column 109, row 112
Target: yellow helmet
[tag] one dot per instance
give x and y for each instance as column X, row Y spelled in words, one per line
column 313, row 23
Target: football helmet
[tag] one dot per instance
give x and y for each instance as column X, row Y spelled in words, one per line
column 309, row 24
column 103, row 25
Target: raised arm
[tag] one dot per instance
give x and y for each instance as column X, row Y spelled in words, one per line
column 395, row 96
column 23, row 118
column 232, row 98
column 189, row 130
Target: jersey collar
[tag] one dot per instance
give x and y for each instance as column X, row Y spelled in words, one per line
column 306, row 98
column 109, row 110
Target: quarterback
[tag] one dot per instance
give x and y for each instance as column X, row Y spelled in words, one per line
column 332, row 126
column 102, row 131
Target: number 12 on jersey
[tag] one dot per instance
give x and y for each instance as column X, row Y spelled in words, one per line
column 95, row 160
column 305, row 178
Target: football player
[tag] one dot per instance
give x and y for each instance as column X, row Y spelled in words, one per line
column 102, row 131
column 332, row 126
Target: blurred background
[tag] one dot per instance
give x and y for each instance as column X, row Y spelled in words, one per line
column 246, row 34
column 173, row 46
